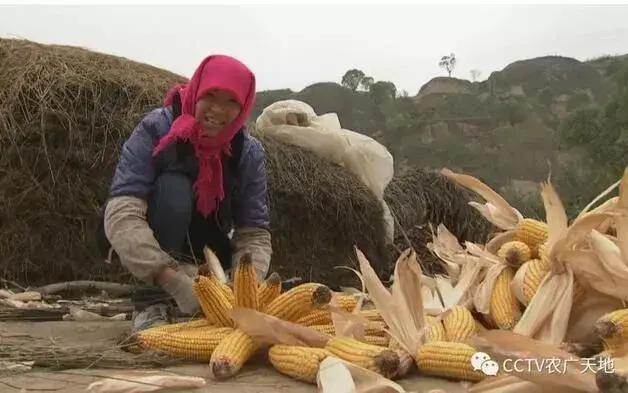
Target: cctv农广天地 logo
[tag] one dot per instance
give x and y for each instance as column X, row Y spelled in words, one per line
column 481, row 361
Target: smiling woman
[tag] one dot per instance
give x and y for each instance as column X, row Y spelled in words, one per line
column 205, row 177
column 216, row 109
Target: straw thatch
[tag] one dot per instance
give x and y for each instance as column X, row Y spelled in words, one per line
column 65, row 111
column 421, row 198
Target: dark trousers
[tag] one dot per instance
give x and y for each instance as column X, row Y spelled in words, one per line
column 172, row 216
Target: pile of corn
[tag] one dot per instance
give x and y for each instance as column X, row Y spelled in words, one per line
column 520, row 251
column 216, row 338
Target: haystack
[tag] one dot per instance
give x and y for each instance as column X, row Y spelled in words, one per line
column 422, row 197
column 64, row 113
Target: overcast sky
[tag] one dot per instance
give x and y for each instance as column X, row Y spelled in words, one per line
column 294, row 46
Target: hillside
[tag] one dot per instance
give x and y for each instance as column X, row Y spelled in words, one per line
column 503, row 129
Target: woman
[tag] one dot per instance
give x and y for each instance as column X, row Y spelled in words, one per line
column 189, row 174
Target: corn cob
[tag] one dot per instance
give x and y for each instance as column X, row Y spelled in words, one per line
column 184, row 325
column 459, row 324
column 245, row 283
column 327, row 329
column 532, row 232
column 300, row 363
column 406, row 361
column 231, row 354
column 436, row 331
column 204, row 270
column 346, row 302
column 504, row 307
column 514, row 253
column 213, row 302
column 536, row 270
column 316, row 317
column 299, row 301
column 372, row 357
column 380, row 341
column 613, row 327
column 193, row 344
column 268, row 290
column 448, row 360
column 372, row 329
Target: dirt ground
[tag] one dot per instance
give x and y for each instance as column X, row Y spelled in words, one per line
column 88, row 349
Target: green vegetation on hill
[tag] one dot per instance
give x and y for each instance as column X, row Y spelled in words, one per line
column 548, row 114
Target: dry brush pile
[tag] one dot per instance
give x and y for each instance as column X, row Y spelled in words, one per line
column 64, row 113
column 549, row 289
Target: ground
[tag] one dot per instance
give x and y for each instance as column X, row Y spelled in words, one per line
column 52, row 343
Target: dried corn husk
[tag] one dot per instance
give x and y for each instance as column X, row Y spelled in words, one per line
column 447, row 248
column 496, row 210
column 338, row 376
column 144, row 383
column 456, row 290
column 402, row 307
column 495, row 266
column 270, row 330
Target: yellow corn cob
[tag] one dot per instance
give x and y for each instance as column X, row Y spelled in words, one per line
column 213, row 301
column 613, row 327
column 532, row 232
column 231, row 354
column 459, row 324
column 299, row 301
column 327, row 329
column 193, row 344
column 436, row 331
column 380, row 341
column 536, row 270
column 375, row 328
column 316, row 317
column 372, row 329
column 300, row 363
column 372, row 357
column 514, row 253
column 204, row 270
column 268, row 290
column 504, row 306
column 448, row 360
column 542, row 253
column 245, row 283
column 346, row 302
column 406, row 361
column 184, row 325
column 323, row 317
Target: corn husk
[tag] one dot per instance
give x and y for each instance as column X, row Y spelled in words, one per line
column 447, row 248
column 456, row 290
column 494, row 267
column 213, row 263
column 124, row 383
column 338, row 376
column 496, row 210
column 270, row 330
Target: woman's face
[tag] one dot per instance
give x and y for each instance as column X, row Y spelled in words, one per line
column 216, row 110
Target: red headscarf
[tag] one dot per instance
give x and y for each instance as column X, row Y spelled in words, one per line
column 214, row 72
